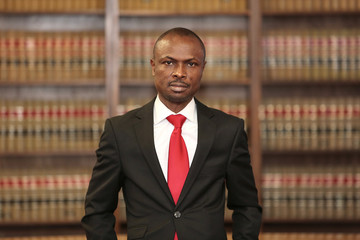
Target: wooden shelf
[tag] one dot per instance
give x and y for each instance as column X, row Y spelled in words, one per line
column 309, row 13
column 159, row 13
column 51, row 83
column 310, row 152
column 297, row 83
column 86, row 12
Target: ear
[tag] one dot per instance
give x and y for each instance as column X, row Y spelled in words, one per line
column 152, row 62
column 204, row 64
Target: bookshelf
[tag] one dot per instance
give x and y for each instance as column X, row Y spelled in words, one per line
column 52, row 77
column 287, row 72
column 309, row 116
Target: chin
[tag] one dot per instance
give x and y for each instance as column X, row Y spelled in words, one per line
column 177, row 98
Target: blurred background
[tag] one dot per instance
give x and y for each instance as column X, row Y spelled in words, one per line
column 290, row 68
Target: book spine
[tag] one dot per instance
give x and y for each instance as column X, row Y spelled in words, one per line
column 39, row 57
column 50, row 126
column 310, row 124
column 311, row 190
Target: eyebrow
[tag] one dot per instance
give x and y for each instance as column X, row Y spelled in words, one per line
column 186, row 60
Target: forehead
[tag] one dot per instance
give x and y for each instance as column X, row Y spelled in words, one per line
column 179, row 44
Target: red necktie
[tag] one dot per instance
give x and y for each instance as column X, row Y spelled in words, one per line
column 178, row 159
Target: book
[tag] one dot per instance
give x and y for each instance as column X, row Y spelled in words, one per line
column 42, row 195
column 51, row 57
column 311, row 54
column 51, row 126
column 310, row 6
column 184, row 6
column 49, row 6
column 310, row 123
column 311, row 189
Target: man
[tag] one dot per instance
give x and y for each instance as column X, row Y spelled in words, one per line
column 174, row 190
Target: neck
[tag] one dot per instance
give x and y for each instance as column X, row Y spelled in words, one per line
column 174, row 106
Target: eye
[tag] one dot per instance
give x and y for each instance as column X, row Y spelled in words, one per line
column 192, row 64
column 168, row 62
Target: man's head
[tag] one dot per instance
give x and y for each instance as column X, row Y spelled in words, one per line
column 177, row 66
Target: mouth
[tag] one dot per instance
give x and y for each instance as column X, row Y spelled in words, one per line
column 177, row 86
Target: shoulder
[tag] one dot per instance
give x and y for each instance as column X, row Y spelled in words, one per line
column 133, row 116
column 219, row 116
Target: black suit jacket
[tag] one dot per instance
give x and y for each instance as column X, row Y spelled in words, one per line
column 126, row 158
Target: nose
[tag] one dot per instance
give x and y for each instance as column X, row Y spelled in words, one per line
column 179, row 71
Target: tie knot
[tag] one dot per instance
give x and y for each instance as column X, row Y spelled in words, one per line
column 176, row 120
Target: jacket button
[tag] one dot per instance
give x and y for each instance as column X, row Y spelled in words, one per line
column 177, row 214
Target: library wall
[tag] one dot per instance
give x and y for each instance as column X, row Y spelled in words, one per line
column 53, row 103
column 310, row 119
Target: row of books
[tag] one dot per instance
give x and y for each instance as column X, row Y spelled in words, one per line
column 46, row 126
column 318, row 6
column 309, row 191
column 234, row 106
column 311, row 54
column 286, row 123
column 51, row 56
column 310, row 123
column 309, row 236
column 48, row 6
column 65, row 56
column 304, row 191
column 226, row 55
column 301, row 55
column 168, row 6
column 185, row 6
column 59, row 125
column 42, row 196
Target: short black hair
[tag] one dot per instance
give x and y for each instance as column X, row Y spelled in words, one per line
column 180, row 31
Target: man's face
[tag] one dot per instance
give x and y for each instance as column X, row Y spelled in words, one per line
column 177, row 68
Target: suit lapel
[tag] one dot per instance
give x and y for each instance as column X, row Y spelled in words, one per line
column 206, row 136
column 145, row 135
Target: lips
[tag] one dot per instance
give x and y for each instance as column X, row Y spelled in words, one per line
column 178, row 86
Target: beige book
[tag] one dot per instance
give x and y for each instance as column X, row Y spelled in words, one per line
column 298, row 5
column 344, row 54
column 308, row 5
column 352, row 51
column 3, row 57
column 242, row 5
column 3, row 6
column 334, row 56
column 323, row 55
column 315, row 58
column 40, row 58
column 21, row 57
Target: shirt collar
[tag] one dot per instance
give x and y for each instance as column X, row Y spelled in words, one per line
column 161, row 112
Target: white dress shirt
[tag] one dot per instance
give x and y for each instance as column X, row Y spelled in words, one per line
column 163, row 129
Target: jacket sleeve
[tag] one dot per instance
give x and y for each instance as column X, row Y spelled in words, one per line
column 242, row 192
column 102, row 195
